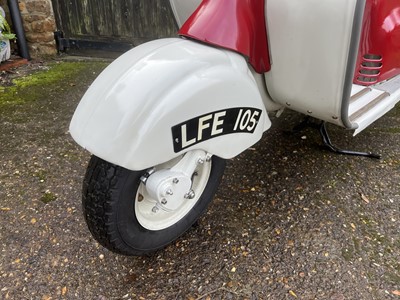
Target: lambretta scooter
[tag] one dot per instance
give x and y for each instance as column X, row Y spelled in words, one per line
column 162, row 119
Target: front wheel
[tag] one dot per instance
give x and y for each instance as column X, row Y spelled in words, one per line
column 138, row 212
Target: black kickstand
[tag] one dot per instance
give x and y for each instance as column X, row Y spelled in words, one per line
column 328, row 143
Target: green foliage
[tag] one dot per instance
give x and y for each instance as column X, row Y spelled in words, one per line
column 5, row 30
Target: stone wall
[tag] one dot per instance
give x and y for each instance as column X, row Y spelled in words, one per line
column 39, row 24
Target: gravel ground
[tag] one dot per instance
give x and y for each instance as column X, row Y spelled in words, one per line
column 290, row 220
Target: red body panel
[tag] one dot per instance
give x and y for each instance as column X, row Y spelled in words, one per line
column 237, row 25
column 379, row 54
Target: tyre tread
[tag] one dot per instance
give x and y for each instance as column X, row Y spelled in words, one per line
column 99, row 183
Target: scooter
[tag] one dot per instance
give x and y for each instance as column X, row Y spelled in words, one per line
column 163, row 118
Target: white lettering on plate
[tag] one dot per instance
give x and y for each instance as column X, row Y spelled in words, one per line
column 185, row 142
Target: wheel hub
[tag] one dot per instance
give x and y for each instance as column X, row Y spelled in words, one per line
column 168, row 188
column 171, row 187
column 168, row 192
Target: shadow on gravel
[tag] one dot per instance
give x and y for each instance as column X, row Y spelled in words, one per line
column 290, row 221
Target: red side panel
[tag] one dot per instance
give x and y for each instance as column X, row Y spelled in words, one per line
column 379, row 54
column 237, row 25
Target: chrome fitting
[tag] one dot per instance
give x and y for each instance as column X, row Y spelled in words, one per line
column 190, row 195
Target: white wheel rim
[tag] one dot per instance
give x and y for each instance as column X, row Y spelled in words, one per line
column 161, row 219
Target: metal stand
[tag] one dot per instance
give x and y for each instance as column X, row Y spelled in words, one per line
column 327, row 141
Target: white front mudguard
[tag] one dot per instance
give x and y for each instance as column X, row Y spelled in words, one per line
column 132, row 113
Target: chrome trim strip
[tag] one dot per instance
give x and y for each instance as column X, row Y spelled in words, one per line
column 351, row 63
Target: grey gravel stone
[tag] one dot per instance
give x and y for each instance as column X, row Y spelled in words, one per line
column 290, row 218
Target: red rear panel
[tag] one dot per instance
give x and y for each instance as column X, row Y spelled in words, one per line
column 379, row 54
column 237, row 25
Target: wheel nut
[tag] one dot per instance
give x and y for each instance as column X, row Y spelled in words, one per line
column 175, row 181
column 169, row 192
column 164, row 201
column 190, row 195
column 200, row 161
column 155, row 209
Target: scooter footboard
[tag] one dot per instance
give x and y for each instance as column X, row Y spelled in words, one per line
column 369, row 103
column 167, row 97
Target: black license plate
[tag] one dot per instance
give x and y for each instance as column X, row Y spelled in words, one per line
column 214, row 124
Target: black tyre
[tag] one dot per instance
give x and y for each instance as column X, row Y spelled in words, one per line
column 119, row 215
